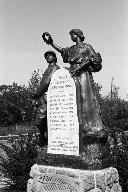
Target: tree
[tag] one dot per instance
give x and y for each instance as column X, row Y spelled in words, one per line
column 34, row 81
column 15, row 101
column 114, row 110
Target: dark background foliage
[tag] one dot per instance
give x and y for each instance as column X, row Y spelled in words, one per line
column 21, row 155
column 17, row 106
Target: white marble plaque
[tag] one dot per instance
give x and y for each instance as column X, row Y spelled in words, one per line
column 63, row 126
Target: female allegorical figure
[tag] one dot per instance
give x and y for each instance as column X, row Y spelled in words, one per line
column 83, row 61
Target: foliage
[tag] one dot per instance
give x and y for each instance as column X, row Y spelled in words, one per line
column 15, row 104
column 18, row 107
column 20, row 157
column 120, row 159
column 115, row 117
column 113, row 109
column 34, row 81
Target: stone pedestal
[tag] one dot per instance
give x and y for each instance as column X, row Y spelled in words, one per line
column 58, row 179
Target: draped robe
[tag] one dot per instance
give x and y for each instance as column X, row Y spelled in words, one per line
column 87, row 105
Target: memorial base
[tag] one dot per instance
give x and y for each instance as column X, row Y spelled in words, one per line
column 57, row 179
column 92, row 160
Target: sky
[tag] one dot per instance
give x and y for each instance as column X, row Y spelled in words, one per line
column 103, row 22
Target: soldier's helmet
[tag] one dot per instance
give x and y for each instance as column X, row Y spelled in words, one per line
column 50, row 52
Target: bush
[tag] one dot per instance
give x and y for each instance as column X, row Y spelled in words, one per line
column 20, row 157
column 120, row 159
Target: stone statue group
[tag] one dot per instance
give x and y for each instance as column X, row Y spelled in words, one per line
column 90, row 168
column 83, row 61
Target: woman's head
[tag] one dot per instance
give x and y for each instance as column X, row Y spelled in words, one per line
column 76, row 32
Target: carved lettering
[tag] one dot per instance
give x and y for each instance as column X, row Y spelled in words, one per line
column 63, row 126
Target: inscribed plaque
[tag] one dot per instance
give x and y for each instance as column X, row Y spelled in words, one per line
column 63, row 126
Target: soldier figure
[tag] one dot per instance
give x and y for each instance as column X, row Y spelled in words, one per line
column 41, row 96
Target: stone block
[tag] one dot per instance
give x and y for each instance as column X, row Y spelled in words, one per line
column 100, row 180
column 88, row 180
column 116, row 188
column 61, row 172
column 107, row 189
column 95, row 190
column 58, row 179
column 111, row 176
column 29, row 185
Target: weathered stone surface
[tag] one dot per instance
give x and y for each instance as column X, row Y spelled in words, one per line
column 116, row 188
column 49, row 179
column 107, row 189
column 100, row 180
column 63, row 126
column 88, row 180
column 112, row 176
column 95, row 190
column 29, row 185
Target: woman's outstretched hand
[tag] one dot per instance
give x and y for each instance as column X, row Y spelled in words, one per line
column 47, row 38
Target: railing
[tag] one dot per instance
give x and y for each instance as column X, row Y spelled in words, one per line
column 5, row 139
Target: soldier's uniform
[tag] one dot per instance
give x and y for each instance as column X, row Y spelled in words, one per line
column 41, row 96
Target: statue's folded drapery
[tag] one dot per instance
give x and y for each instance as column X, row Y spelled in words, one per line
column 88, row 107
